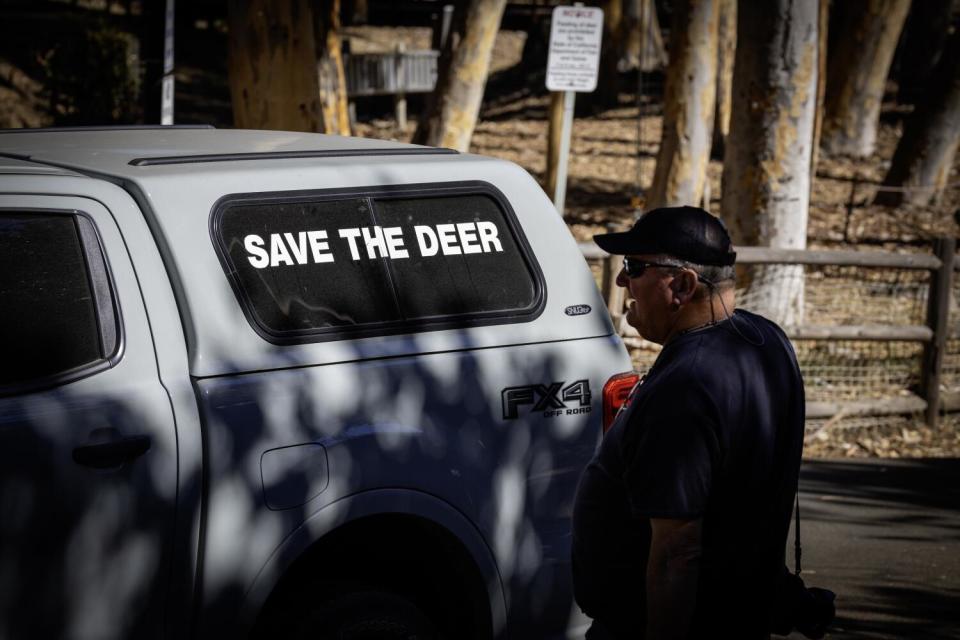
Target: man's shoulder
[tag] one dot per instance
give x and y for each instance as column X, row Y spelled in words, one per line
column 760, row 319
column 751, row 328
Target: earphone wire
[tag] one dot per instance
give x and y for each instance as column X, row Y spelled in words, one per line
column 729, row 316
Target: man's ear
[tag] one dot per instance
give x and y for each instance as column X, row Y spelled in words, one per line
column 684, row 286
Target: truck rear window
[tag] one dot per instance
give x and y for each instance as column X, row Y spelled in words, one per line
column 322, row 265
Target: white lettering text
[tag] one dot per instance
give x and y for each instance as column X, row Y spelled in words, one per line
column 351, row 235
column 427, row 240
column 254, row 246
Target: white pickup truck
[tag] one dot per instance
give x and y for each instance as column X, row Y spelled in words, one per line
column 280, row 385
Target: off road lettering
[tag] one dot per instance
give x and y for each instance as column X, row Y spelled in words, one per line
column 546, row 398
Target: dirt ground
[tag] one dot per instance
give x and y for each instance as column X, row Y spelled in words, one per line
column 612, row 159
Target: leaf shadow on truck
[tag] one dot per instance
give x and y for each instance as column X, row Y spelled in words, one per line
column 407, row 479
column 383, row 454
column 301, row 390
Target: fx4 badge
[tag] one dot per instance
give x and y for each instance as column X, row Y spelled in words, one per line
column 552, row 399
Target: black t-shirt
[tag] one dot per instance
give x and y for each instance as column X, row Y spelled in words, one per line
column 714, row 431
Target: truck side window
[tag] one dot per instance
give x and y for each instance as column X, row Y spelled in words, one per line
column 51, row 322
column 308, row 268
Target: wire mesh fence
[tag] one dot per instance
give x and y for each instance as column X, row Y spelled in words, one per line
column 951, row 356
column 839, row 295
column 844, row 370
column 951, row 364
column 841, row 370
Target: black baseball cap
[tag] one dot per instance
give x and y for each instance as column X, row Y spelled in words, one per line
column 687, row 233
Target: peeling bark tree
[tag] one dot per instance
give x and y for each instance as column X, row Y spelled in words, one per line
column 452, row 112
column 331, row 78
column 867, row 32
column 272, row 65
column 925, row 153
column 688, row 105
column 726, row 50
column 766, row 170
column 642, row 41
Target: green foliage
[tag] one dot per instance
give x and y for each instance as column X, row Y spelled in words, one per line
column 92, row 77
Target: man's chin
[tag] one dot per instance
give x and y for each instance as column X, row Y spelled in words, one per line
column 635, row 323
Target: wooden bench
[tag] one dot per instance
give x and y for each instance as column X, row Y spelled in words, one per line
column 397, row 73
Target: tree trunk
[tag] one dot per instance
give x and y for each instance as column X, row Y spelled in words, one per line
column 608, row 75
column 766, row 170
column 455, row 106
column 643, row 43
column 924, row 35
column 726, row 50
column 331, row 78
column 925, row 153
column 688, row 105
column 431, row 104
column 867, row 32
column 823, row 14
column 272, row 65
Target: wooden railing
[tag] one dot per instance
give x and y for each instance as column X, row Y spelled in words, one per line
column 941, row 264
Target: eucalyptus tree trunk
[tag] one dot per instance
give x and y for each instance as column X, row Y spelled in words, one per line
column 925, row 153
column 726, row 51
column 766, row 170
column 867, row 32
column 688, row 105
column 451, row 117
column 331, row 78
column 643, row 43
column 273, row 80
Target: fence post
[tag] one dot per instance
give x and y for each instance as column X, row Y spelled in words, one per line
column 612, row 294
column 441, row 27
column 938, row 308
column 399, row 97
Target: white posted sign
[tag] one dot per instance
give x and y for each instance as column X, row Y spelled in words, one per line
column 574, row 56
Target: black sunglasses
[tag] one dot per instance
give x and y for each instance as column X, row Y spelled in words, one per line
column 635, row 268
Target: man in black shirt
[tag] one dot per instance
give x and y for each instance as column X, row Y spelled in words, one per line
column 681, row 519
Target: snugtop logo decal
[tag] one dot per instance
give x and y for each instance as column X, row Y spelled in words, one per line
column 578, row 310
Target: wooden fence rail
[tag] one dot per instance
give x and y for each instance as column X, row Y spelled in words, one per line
column 934, row 334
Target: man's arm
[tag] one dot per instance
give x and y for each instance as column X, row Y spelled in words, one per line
column 672, row 571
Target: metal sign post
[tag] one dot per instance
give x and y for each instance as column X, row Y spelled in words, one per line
column 572, row 64
column 166, row 93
